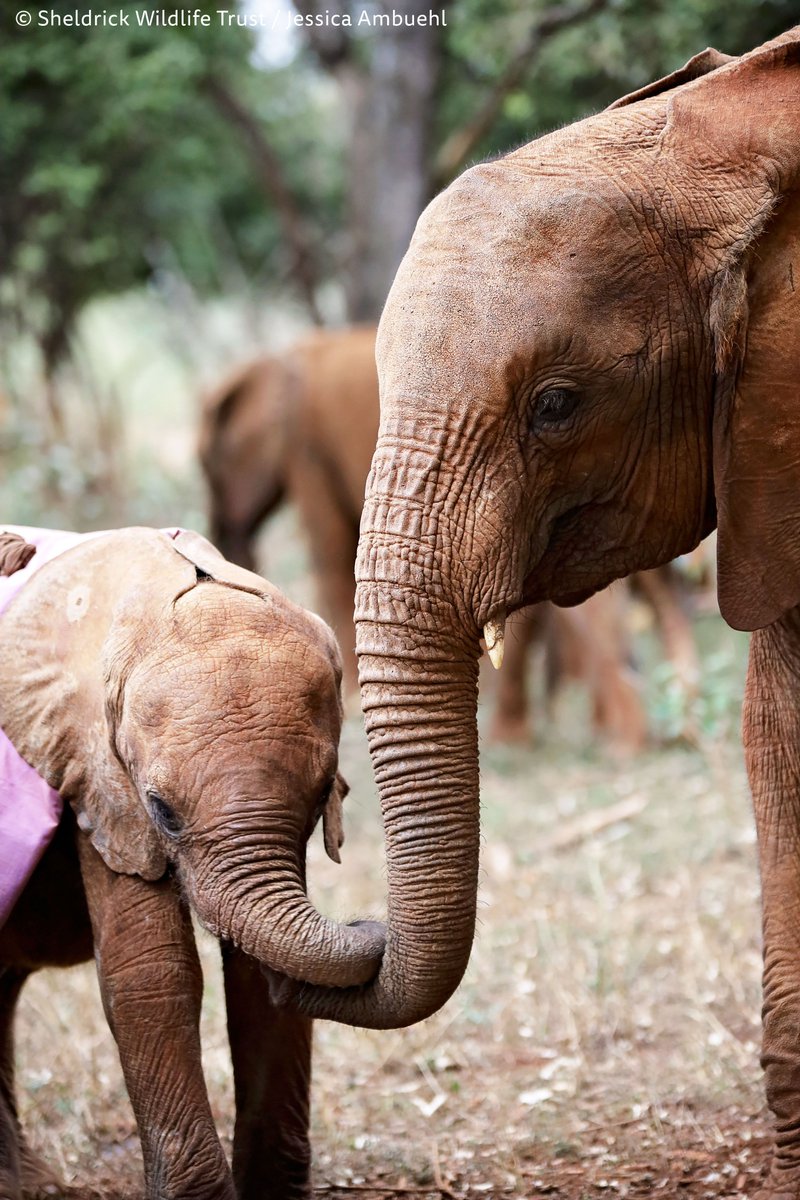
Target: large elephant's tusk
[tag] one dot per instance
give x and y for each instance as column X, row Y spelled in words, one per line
column 494, row 633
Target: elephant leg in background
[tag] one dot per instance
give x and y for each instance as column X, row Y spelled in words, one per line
column 590, row 644
column 510, row 722
column 271, row 1053
column 593, row 645
column 661, row 587
column 151, row 985
column 332, row 533
column 772, row 746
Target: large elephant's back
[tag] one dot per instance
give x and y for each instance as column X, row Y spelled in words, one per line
column 341, row 408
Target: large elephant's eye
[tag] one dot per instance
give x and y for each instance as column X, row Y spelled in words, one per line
column 164, row 817
column 554, row 405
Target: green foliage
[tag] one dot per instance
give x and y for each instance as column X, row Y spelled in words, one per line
column 116, row 159
column 585, row 67
column 119, row 165
column 712, row 710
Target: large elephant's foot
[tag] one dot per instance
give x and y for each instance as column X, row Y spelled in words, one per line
column 783, row 1181
column 779, row 1189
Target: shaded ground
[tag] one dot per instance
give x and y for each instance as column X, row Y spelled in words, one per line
column 678, row 1159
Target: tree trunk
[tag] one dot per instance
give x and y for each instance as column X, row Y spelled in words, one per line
column 389, row 168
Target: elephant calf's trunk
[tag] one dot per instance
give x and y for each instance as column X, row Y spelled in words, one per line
column 277, row 925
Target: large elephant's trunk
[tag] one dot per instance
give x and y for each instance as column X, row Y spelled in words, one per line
column 418, row 670
column 272, row 919
column 420, row 709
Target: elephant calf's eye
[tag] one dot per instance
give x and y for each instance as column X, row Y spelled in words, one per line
column 164, row 818
column 554, row 405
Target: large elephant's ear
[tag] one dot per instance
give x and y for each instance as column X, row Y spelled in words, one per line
column 757, row 435
column 739, row 133
column 702, row 64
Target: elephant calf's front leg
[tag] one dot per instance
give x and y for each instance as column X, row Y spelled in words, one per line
column 772, row 743
column 271, row 1052
column 152, row 986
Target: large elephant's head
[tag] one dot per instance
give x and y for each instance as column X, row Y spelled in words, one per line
column 590, row 356
column 191, row 715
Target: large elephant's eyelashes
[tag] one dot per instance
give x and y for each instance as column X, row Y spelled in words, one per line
column 554, row 405
column 164, row 818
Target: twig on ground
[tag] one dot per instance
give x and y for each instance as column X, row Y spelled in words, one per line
column 587, row 824
column 441, row 1186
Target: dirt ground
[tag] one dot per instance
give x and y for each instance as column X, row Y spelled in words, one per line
column 605, row 1038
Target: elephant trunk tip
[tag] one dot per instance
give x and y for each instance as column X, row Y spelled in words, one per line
column 366, row 951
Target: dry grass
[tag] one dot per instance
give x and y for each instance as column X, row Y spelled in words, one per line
column 605, row 1037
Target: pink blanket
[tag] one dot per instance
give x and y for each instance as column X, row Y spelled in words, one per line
column 29, row 808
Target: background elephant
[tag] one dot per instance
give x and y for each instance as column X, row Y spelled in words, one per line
column 190, row 715
column 592, row 643
column 588, row 359
column 302, row 426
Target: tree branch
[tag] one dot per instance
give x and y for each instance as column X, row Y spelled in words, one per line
column 457, row 148
column 270, row 172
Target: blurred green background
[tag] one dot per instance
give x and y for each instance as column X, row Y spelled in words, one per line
column 177, row 198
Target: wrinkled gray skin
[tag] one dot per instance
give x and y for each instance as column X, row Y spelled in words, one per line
column 588, row 358
column 190, row 715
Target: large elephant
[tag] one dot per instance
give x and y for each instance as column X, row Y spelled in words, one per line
column 588, row 359
column 190, row 715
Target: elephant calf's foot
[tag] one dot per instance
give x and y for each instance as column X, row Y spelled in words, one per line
column 9, row 1186
column 276, row 1182
column 38, row 1179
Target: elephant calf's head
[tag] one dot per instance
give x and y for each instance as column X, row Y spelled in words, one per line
column 191, row 714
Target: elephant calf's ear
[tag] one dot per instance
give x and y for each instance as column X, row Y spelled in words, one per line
column 110, row 812
column 333, row 819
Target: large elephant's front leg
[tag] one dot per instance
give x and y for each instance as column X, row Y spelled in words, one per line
column 152, row 986
column 772, row 744
column 271, row 1052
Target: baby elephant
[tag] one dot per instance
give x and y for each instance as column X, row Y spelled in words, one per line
column 189, row 715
